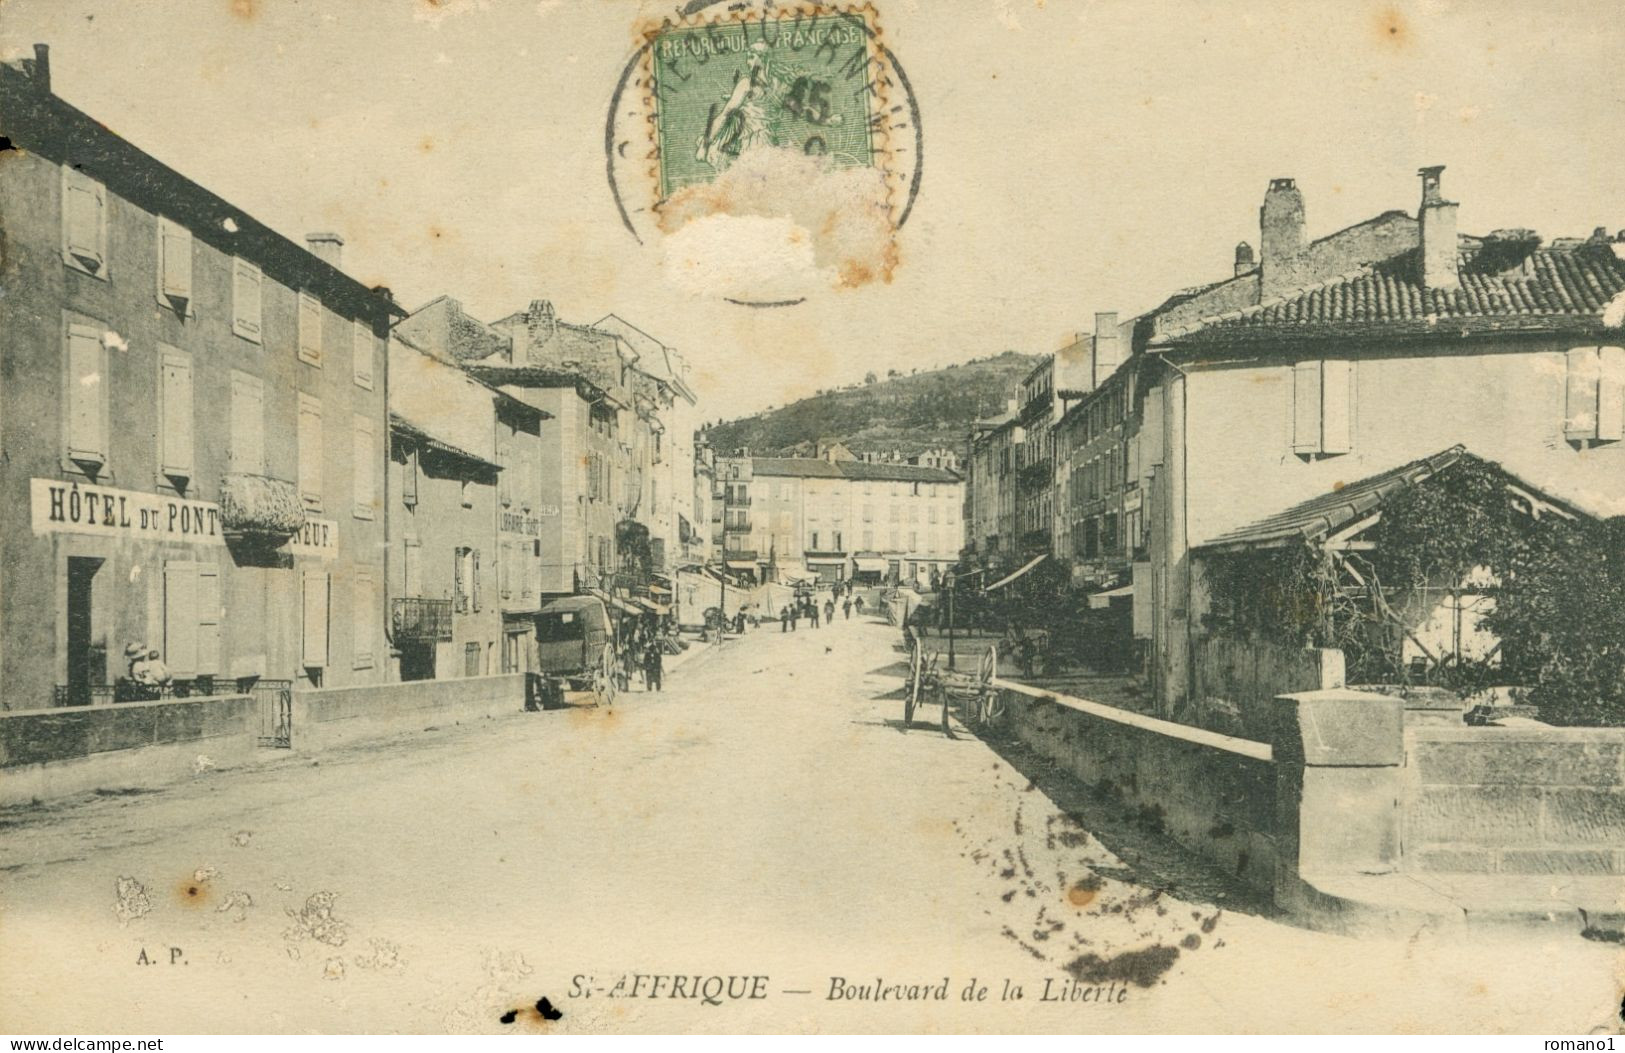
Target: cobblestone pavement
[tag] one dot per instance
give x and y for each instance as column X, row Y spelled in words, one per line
column 765, row 816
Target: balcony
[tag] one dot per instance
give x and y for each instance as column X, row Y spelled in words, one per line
column 416, row 618
column 258, row 506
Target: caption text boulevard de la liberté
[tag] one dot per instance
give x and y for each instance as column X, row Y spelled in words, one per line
column 716, row 990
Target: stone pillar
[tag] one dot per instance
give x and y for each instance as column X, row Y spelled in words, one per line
column 1338, row 757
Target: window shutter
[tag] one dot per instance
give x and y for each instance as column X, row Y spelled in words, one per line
column 310, row 450
column 87, row 424
column 181, row 618
column 174, row 263
column 459, row 580
column 247, row 423
column 1306, row 407
column 310, row 329
column 363, row 355
column 245, row 300
column 1611, row 393
column 83, row 202
column 365, row 471
column 362, row 618
column 1580, row 394
column 176, row 415
column 474, row 578
column 315, row 619
column 1337, row 407
column 409, row 479
column 505, row 559
column 208, row 619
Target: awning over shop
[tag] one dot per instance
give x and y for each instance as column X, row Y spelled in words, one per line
column 741, row 564
column 618, row 603
column 650, row 605
column 1102, row 600
column 1008, row 578
column 659, row 590
column 871, row 565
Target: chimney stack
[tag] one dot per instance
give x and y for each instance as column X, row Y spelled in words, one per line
column 1244, row 259
column 1281, row 237
column 42, row 68
column 1437, row 219
column 326, row 246
column 1108, row 348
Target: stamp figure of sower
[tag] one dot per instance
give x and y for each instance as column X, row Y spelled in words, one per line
column 728, row 88
column 743, row 121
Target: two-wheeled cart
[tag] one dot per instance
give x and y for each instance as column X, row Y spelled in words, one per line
column 929, row 684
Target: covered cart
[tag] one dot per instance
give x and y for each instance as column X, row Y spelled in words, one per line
column 575, row 648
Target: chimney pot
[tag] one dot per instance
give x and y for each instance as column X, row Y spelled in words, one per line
column 1431, row 191
column 1244, row 258
column 325, row 245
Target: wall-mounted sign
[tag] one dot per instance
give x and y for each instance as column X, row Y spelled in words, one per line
column 318, row 537
column 81, row 508
column 519, row 523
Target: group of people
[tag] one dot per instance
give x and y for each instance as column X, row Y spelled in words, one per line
column 805, row 605
column 146, row 678
column 642, row 649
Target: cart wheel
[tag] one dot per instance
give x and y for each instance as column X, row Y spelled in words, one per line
column 915, row 674
column 987, row 670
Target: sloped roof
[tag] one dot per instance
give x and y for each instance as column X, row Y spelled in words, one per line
column 1328, row 513
column 401, row 426
column 1502, row 288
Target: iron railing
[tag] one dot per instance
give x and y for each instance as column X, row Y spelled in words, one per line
column 419, row 618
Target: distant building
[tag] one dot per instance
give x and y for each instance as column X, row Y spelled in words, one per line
column 809, row 517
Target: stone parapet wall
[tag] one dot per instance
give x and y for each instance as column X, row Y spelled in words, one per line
column 46, row 753
column 1515, row 800
column 326, row 718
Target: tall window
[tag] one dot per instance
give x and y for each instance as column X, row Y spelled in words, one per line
column 246, row 283
column 310, row 329
column 364, row 618
column 247, row 453
column 192, row 614
column 364, row 467
column 84, row 223
column 175, row 416
column 314, row 640
column 310, row 451
column 365, row 344
column 1322, row 407
column 1594, row 394
column 85, row 389
column 174, row 266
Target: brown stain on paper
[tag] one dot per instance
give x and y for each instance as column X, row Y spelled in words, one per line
column 1392, row 29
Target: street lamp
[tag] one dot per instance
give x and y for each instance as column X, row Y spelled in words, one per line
column 953, row 582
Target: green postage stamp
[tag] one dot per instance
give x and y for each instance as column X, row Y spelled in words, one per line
column 802, row 78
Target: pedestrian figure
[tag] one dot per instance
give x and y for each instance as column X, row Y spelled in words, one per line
column 846, row 609
column 653, row 667
column 829, row 611
column 784, row 619
column 858, row 603
column 812, row 614
column 795, row 616
column 739, row 623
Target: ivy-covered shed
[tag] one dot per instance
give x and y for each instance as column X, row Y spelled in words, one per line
column 1408, row 572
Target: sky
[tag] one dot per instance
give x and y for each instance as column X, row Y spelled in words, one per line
column 1078, row 156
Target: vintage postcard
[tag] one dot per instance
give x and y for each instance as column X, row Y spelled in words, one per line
column 1036, row 516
